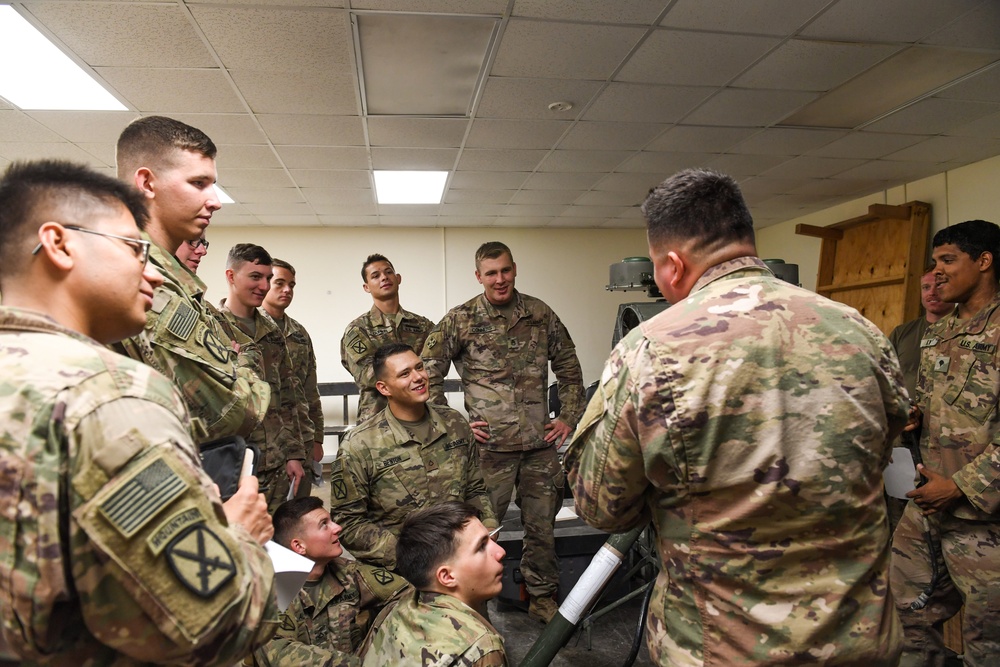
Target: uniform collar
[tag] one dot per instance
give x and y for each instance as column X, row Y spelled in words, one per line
column 402, row 436
column 22, row 319
column 747, row 263
column 951, row 325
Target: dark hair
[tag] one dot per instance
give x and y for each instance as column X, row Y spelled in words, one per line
column 698, row 204
column 371, row 260
column 148, row 142
column 282, row 264
column 32, row 193
column 429, row 536
column 247, row 252
column 289, row 515
column 973, row 237
column 383, row 353
column 492, row 250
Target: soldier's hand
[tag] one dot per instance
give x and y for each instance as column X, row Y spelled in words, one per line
column 295, row 472
column 480, row 430
column 936, row 494
column 317, row 451
column 248, row 508
column 914, row 418
column 558, row 431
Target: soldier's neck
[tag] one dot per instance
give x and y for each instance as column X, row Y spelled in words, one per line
column 274, row 312
column 316, row 573
column 161, row 235
column 239, row 309
column 408, row 413
column 982, row 296
column 388, row 306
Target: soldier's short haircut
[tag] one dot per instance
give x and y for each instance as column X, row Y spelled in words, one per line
column 282, row 264
column 429, row 537
column 247, row 252
column 973, row 237
column 32, row 193
column 700, row 205
column 287, row 518
column 375, row 257
column 151, row 141
column 384, row 352
column 492, row 250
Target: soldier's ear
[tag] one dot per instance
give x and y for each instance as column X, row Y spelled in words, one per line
column 297, row 546
column 446, row 578
column 382, row 387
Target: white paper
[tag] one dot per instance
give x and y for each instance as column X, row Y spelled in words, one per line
column 591, row 582
column 565, row 514
column 900, row 477
column 290, row 571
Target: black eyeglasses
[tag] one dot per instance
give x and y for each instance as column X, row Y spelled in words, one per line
column 198, row 242
column 138, row 246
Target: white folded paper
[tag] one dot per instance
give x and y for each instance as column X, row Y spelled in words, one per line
column 290, row 571
column 901, row 475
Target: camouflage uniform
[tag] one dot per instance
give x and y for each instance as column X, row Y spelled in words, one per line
column 184, row 342
column 368, row 333
column 425, row 628
column 504, row 373
column 751, row 423
column 302, row 356
column 382, row 474
column 116, row 547
column 958, row 389
column 325, row 626
column 905, row 341
column 278, row 436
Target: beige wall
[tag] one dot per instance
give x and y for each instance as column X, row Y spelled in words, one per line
column 965, row 193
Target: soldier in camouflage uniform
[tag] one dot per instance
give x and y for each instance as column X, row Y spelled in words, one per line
column 504, row 341
column 446, row 552
column 386, row 322
column 958, row 508
column 409, row 455
column 751, row 423
column 303, row 360
column 190, row 253
column 173, row 166
column 326, row 623
column 117, row 549
column 279, row 436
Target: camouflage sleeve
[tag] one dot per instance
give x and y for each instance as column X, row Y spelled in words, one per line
column 349, row 493
column 569, row 374
column 160, row 575
column 892, row 386
column 476, row 493
column 979, row 480
column 292, row 438
column 312, row 393
column 356, row 355
column 440, row 348
column 492, row 659
column 604, row 461
column 287, row 650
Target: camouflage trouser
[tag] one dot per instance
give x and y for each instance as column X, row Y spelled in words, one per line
column 968, row 556
column 274, row 485
column 539, row 479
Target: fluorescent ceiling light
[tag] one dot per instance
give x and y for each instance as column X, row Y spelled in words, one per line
column 37, row 75
column 409, row 187
column 893, row 84
column 223, row 197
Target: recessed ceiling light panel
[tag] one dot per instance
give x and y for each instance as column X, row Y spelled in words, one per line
column 409, row 187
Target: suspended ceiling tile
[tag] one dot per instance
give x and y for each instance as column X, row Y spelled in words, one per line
column 949, row 149
column 263, row 209
column 52, row 151
column 170, row 91
column 693, row 58
column 310, row 40
column 323, row 157
column 247, row 157
column 482, row 159
column 73, row 126
column 104, row 152
column 289, row 220
column 453, row 196
column 807, row 65
column 331, row 178
column 562, row 50
column 933, row 116
column 886, row 20
column 976, row 30
column 583, row 161
column 831, row 187
column 225, row 128
column 765, row 187
column 762, row 17
column 592, row 11
column 466, row 221
column 530, row 98
column 494, row 7
column 420, row 159
column 408, row 220
column 624, row 223
column 696, row 139
column 471, row 209
column 891, row 171
column 339, row 196
column 268, row 195
column 748, row 108
column 525, row 222
column 313, row 130
column 742, row 166
column 530, row 197
column 576, row 222
column 664, row 163
column 602, row 212
column 223, row 219
column 868, row 145
column 605, row 198
column 809, row 166
column 417, row 132
column 17, row 126
column 636, row 184
column 562, row 181
column 540, row 134
column 642, row 103
column 786, row 141
column 124, row 34
column 984, row 87
column 987, row 126
column 486, row 180
column 610, row 136
column 255, row 178
column 361, row 208
column 534, row 211
column 333, row 92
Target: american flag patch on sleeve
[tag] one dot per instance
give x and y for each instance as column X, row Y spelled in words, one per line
column 141, row 497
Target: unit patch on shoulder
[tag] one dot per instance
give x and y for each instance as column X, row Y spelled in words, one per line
column 358, row 346
column 339, row 488
column 171, row 527
column 214, row 346
column 383, row 576
column 200, row 560
column 140, row 497
column 182, row 322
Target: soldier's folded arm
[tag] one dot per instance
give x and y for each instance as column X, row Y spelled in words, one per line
column 285, row 650
column 439, row 349
column 161, row 576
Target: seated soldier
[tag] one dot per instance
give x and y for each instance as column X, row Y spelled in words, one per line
column 328, row 620
column 446, row 552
